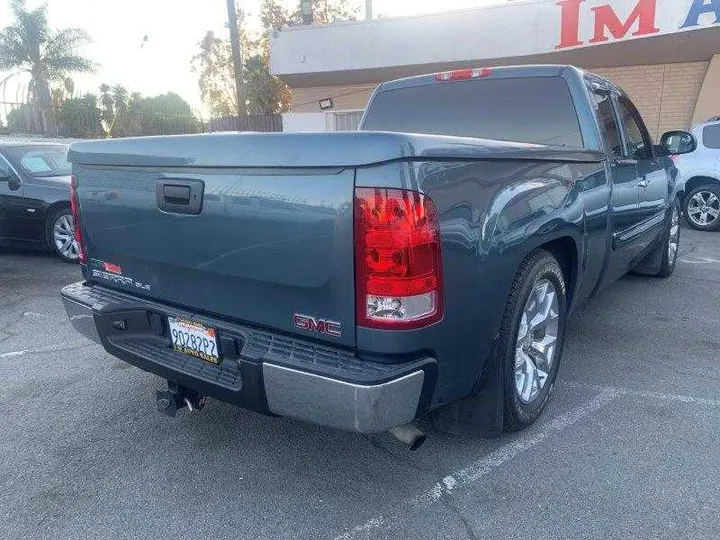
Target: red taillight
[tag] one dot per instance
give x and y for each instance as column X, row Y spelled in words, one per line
column 463, row 74
column 398, row 261
column 75, row 209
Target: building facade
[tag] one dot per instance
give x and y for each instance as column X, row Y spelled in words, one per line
column 664, row 53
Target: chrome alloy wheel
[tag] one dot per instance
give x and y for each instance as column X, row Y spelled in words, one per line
column 674, row 238
column 64, row 237
column 536, row 341
column 703, row 208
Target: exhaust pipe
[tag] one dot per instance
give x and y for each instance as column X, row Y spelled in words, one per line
column 409, row 435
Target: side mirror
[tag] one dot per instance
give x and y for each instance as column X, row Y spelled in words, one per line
column 677, row 142
column 9, row 178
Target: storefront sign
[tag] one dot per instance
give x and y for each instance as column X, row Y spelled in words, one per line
column 642, row 20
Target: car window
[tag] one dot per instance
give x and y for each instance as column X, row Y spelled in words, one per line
column 711, row 136
column 41, row 161
column 608, row 124
column 533, row 110
column 4, row 167
column 637, row 139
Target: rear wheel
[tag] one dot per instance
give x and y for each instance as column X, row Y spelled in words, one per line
column 702, row 208
column 61, row 235
column 671, row 242
column 532, row 337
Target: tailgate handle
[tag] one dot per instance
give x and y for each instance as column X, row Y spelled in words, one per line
column 179, row 196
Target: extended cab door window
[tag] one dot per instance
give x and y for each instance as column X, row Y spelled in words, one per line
column 652, row 178
column 608, row 125
column 637, row 140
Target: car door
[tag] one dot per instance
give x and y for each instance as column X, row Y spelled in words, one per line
column 16, row 222
column 624, row 200
column 653, row 182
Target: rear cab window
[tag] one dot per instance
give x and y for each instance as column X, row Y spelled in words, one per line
column 537, row 110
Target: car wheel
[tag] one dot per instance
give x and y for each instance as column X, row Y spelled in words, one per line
column 671, row 242
column 702, row 208
column 61, row 235
column 532, row 337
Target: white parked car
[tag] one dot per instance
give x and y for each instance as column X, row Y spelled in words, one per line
column 699, row 173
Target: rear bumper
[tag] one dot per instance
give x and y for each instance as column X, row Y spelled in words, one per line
column 261, row 371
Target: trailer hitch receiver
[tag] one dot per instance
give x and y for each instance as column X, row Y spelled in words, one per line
column 177, row 397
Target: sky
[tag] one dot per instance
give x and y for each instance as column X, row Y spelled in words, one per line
column 173, row 29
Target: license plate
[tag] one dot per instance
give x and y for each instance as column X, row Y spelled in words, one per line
column 195, row 339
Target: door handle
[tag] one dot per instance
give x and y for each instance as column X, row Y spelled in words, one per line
column 179, row 195
column 643, row 183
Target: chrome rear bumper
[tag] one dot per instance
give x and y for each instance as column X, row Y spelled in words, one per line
column 340, row 404
column 389, row 398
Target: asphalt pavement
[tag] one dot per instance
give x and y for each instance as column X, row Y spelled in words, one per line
column 628, row 448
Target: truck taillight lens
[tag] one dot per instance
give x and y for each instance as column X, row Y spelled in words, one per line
column 398, row 260
column 75, row 209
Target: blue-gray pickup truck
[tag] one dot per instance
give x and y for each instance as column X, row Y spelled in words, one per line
column 426, row 263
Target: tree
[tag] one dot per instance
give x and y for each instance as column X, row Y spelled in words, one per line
column 216, row 77
column 264, row 93
column 79, row 118
column 330, row 11
column 49, row 55
column 274, row 16
column 125, row 114
column 166, row 114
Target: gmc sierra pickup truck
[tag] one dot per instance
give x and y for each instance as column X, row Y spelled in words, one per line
column 361, row 280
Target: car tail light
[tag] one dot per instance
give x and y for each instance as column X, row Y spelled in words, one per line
column 75, row 209
column 463, row 74
column 398, row 260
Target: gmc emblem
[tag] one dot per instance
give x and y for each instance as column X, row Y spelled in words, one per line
column 306, row 322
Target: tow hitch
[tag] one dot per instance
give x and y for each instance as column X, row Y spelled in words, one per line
column 176, row 397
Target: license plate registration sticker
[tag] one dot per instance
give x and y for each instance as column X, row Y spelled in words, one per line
column 195, row 339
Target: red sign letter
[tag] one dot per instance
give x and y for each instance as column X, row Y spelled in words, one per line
column 605, row 17
column 569, row 23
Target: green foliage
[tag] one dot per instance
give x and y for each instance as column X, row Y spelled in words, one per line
column 274, row 16
column 264, row 93
column 21, row 119
column 79, row 118
column 125, row 115
column 216, row 77
column 166, row 114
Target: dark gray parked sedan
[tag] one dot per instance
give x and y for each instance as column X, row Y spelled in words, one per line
column 35, row 198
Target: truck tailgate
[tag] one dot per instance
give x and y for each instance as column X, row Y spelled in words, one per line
column 257, row 245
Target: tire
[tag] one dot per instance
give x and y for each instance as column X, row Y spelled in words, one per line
column 702, row 208
column 58, row 232
column 526, row 393
column 670, row 244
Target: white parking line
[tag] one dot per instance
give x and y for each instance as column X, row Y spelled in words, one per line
column 484, row 466
column 699, row 260
column 13, row 353
column 648, row 394
column 75, row 345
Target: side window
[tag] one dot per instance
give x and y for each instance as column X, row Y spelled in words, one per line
column 608, row 124
column 711, row 136
column 4, row 167
column 638, row 140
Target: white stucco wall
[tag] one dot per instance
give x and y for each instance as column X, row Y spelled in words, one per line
column 294, row 122
column 515, row 29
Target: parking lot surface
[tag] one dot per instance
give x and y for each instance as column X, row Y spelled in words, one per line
column 628, row 447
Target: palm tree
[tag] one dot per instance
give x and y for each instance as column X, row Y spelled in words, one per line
column 30, row 45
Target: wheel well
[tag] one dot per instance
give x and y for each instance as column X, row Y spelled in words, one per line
column 565, row 251
column 54, row 207
column 696, row 182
